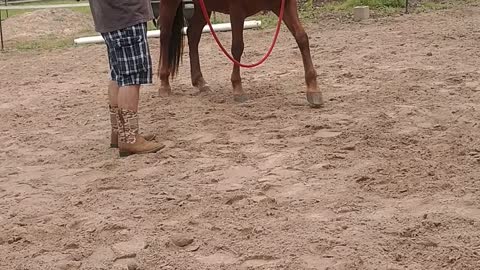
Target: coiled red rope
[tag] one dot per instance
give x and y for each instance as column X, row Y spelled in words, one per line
column 265, row 57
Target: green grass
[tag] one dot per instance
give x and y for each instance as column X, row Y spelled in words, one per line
column 307, row 13
column 375, row 4
column 431, row 6
column 52, row 42
column 385, row 7
column 11, row 13
column 310, row 12
column 268, row 20
column 436, row 5
column 45, row 43
column 49, row 42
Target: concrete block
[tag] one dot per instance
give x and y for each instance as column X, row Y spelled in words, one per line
column 361, row 13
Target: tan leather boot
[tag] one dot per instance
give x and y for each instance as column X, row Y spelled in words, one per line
column 114, row 133
column 129, row 141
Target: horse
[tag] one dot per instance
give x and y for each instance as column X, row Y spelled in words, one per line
column 172, row 21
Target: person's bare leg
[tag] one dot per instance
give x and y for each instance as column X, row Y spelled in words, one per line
column 134, row 69
column 113, row 108
column 113, row 94
column 128, row 97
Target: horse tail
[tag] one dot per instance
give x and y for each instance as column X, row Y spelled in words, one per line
column 175, row 48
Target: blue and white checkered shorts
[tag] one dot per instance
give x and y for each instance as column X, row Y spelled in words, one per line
column 129, row 55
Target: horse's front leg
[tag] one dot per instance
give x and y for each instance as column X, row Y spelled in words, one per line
column 166, row 19
column 194, row 33
column 314, row 95
column 237, row 20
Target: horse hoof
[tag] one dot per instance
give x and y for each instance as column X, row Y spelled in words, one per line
column 165, row 91
column 315, row 99
column 205, row 89
column 240, row 98
column 201, row 93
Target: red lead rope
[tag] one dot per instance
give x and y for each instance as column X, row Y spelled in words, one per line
column 265, row 57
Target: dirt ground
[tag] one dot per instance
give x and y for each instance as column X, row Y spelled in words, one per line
column 385, row 176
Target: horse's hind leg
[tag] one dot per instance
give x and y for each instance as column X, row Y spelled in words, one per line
column 167, row 15
column 194, row 33
column 237, row 20
column 314, row 95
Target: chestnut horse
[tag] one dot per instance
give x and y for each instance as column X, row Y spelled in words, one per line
column 171, row 21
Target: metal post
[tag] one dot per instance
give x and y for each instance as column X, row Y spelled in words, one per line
column 1, row 31
column 406, row 6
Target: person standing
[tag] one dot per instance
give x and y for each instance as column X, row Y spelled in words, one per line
column 123, row 26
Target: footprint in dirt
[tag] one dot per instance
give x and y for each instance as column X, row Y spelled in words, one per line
column 317, row 262
column 102, row 256
column 228, row 258
column 259, row 261
column 200, row 137
column 222, row 257
column 292, row 192
column 235, row 177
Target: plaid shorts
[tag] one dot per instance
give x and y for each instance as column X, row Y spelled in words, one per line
column 129, row 55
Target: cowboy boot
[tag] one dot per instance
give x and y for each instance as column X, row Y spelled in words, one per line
column 114, row 133
column 129, row 141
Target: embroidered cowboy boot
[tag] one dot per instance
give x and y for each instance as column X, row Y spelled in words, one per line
column 114, row 133
column 129, row 141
